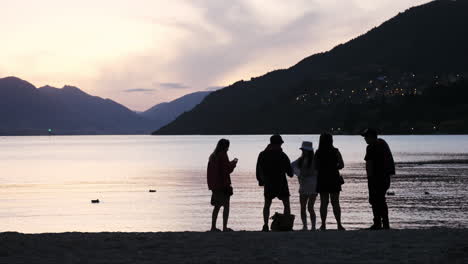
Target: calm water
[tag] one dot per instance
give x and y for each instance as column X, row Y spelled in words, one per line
column 47, row 183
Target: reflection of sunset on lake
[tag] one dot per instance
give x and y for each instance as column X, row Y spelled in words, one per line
column 48, row 182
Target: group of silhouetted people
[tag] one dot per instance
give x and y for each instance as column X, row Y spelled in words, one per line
column 317, row 172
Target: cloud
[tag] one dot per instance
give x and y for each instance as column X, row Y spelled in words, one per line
column 136, row 90
column 194, row 43
column 173, row 85
column 239, row 39
column 242, row 46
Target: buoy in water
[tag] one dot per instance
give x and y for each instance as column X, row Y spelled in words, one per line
column 152, row 190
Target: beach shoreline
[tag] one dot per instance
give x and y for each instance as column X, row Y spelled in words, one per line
column 436, row 245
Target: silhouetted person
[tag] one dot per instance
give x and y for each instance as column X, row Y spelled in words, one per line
column 272, row 166
column 219, row 182
column 328, row 162
column 379, row 167
column 304, row 168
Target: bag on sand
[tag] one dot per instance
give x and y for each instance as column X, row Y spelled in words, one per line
column 282, row 222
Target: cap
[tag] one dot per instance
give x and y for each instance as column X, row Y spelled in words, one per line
column 276, row 139
column 369, row 132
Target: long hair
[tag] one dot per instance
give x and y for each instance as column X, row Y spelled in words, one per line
column 222, row 146
column 310, row 155
column 325, row 142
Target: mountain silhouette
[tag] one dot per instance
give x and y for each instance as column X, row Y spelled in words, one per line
column 405, row 76
column 27, row 110
column 164, row 113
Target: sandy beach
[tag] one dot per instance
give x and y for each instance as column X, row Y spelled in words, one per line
column 394, row 246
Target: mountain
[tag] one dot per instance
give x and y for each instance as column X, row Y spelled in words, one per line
column 396, row 77
column 24, row 110
column 166, row 112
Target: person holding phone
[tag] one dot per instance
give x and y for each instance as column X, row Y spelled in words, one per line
column 219, row 182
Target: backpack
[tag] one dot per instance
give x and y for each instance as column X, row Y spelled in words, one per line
column 282, row 222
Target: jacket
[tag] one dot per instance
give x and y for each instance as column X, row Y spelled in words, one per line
column 218, row 171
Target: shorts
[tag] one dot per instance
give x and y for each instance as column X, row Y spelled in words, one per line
column 282, row 197
column 221, row 197
column 280, row 191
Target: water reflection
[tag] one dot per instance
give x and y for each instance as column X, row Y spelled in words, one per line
column 47, row 183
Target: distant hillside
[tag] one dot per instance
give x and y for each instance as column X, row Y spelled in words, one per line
column 395, row 78
column 164, row 113
column 26, row 110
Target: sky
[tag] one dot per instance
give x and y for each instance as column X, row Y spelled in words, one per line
column 143, row 52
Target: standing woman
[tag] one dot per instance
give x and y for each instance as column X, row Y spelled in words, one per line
column 219, row 182
column 328, row 162
column 304, row 168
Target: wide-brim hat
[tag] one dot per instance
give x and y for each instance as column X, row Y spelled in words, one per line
column 307, row 145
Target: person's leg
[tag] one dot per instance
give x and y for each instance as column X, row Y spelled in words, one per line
column 287, row 207
column 324, row 198
column 377, row 219
column 214, row 217
column 310, row 207
column 383, row 208
column 266, row 213
column 226, row 214
column 374, row 202
column 303, row 200
column 335, row 201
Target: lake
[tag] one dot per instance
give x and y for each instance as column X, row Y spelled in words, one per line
column 47, row 183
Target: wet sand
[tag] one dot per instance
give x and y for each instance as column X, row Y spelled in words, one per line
column 394, row 246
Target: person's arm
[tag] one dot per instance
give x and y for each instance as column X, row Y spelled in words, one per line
column 389, row 162
column 369, row 161
column 369, row 168
column 295, row 167
column 213, row 174
column 226, row 165
column 340, row 160
column 287, row 164
column 259, row 171
column 208, row 176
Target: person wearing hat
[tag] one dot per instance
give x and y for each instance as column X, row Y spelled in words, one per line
column 272, row 167
column 379, row 167
column 304, row 168
column 329, row 162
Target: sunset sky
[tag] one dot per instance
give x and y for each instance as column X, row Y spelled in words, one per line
column 142, row 52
